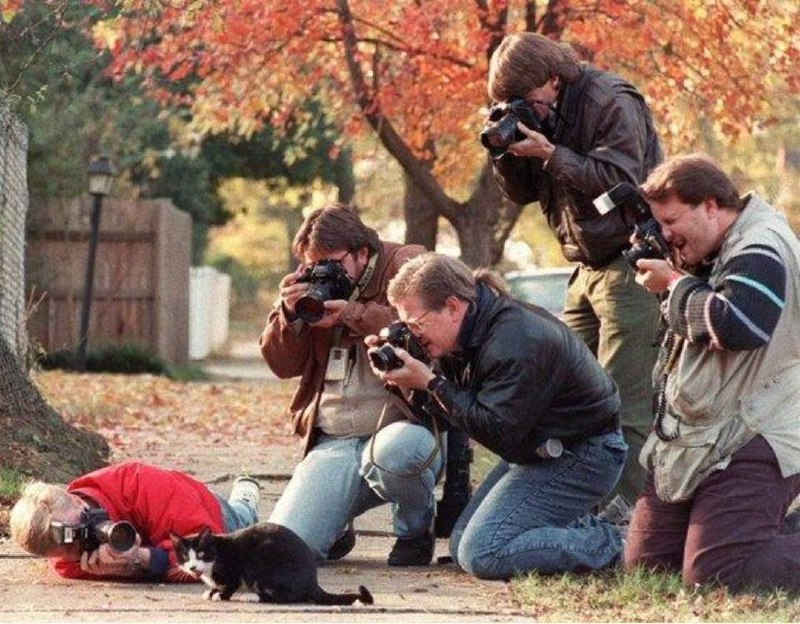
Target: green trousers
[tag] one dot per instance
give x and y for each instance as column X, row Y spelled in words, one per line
column 618, row 320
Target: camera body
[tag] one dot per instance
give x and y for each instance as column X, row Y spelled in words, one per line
column 328, row 281
column 398, row 334
column 95, row 528
column 501, row 129
column 650, row 241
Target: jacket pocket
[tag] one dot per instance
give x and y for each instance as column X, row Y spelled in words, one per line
column 680, row 465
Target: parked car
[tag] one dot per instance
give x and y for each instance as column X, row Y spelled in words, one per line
column 544, row 287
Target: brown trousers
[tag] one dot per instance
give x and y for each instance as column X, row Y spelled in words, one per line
column 729, row 532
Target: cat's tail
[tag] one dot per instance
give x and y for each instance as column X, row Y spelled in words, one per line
column 347, row 598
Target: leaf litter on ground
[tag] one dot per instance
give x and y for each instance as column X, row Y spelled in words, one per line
column 136, row 412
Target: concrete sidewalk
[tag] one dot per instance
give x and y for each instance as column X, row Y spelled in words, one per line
column 32, row 592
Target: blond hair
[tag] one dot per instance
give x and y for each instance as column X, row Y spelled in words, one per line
column 434, row 277
column 40, row 504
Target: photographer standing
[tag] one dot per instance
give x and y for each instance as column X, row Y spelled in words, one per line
column 153, row 500
column 594, row 130
column 523, row 385
column 722, row 457
column 360, row 448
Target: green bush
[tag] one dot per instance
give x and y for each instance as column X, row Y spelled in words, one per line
column 128, row 359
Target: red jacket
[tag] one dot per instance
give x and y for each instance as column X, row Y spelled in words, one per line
column 155, row 501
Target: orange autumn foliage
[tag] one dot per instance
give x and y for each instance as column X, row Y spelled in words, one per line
column 415, row 72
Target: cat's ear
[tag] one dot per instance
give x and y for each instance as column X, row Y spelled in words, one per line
column 205, row 532
column 176, row 539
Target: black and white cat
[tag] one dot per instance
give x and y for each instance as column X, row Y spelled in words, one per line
column 269, row 559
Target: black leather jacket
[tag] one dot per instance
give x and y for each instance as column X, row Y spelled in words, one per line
column 521, row 377
column 604, row 135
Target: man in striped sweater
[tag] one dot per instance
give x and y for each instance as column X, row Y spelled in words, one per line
column 723, row 458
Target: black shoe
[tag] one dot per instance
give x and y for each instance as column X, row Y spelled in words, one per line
column 412, row 551
column 343, row 545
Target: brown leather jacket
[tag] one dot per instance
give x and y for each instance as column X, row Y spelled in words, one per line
column 295, row 348
column 604, row 135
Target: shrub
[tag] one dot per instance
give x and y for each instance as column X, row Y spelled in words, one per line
column 128, row 359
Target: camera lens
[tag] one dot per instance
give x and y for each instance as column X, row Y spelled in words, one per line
column 385, row 359
column 309, row 308
column 120, row 535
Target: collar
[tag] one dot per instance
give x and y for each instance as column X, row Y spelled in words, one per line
column 483, row 298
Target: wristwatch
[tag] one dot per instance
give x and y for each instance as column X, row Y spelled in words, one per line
column 435, row 383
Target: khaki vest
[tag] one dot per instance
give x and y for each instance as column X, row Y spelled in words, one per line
column 725, row 398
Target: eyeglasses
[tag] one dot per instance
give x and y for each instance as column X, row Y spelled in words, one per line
column 415, row 325
column 341, row 258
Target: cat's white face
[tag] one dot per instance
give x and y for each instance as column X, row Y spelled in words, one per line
column 198, row 568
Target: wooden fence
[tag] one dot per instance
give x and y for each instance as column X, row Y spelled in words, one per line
column 141, row 277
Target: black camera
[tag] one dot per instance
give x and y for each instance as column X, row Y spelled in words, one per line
column 95, row 528
column 650, row 241
column 501, row 129
column 329, row 281
column 398, row 334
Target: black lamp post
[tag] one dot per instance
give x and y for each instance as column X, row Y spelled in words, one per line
column 101, row 176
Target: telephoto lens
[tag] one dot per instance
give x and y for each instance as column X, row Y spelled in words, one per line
column 120, row 536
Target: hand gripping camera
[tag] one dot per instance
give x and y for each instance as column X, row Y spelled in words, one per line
column 501, row 129
column 399, row 335
column 95, row 528
column 650, row 242
column 329, row 281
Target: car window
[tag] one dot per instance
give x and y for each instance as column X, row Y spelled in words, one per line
column 547, row 290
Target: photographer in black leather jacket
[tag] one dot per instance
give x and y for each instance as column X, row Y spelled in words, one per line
column 522, row 384
column 596, row 131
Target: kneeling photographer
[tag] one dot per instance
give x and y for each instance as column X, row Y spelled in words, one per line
column 722, row 459
column 361, row 449
column 522, row 384
column 115, row 522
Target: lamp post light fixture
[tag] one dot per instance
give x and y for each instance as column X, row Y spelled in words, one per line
column 101, row 176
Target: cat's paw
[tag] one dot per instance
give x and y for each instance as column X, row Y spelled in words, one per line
column 211, row 594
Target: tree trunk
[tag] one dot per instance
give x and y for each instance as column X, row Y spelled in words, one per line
column 35, row 440
column 485, row 222
column 421, row 216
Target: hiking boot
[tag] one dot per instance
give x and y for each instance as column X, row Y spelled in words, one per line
column 246, row 490
column 343, row 544
column 412, row 551
column 618, row 511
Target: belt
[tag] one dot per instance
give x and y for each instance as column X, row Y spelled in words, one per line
column 609, row 425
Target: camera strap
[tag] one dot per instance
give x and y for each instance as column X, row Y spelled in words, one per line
column 369, row 271
column 426, row 464
column 672, row 347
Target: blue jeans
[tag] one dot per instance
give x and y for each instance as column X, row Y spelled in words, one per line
column 535, row 516
column 337, row 482
column 236, row 514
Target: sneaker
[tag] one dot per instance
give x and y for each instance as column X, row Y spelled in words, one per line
column 618, row 511
column 343, row 544
column 246, row 490
column 412, row 551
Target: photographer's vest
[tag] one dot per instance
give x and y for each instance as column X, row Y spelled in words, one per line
column 724, row 399
column 352, row 397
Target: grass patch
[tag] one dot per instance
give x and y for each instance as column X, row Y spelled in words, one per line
column 11, row 481
column 642, row 596
column 191, row 372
